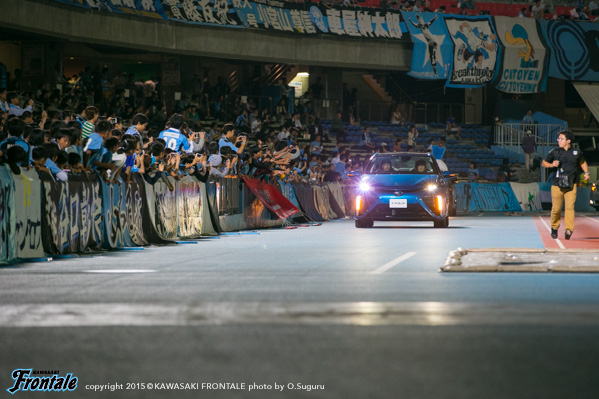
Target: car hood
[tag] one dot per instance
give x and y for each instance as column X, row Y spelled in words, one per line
column 400, row 181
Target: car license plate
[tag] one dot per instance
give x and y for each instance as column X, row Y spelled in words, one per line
column 398, row 203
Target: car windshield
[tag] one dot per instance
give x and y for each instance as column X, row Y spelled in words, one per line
column 419, row 164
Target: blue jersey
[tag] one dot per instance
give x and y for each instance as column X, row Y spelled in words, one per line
column 174, row 139
column 95, row 146
column 225, row 142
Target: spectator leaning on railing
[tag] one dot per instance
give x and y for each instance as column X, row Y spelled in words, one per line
column 14, row 105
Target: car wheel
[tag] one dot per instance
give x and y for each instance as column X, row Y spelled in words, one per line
column 364, row 223
column 439, row 224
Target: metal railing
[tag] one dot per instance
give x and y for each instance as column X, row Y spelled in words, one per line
column 227, row 195
column 511, row 134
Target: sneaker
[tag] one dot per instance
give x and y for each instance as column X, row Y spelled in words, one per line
column 554, row 234
column 568, row 234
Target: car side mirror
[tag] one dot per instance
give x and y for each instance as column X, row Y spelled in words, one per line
column 354, row 174
column 450, row 177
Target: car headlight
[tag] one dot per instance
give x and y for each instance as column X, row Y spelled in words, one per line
column 364, row 186
column 594, row 187
column 359, row 203
column 439, row 203
column 431, row 187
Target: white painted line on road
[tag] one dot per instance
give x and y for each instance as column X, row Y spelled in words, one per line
column 549, row 229
column 593, row 219
column 35, row 315
column 124, row 271
column 394, row 262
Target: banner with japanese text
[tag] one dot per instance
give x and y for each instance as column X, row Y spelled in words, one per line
column 7, row 215
column 524, row 56
column 476, row 51
column 433, row 50
column 28, row 209
column 338, row 21
column 143, row 8
column 203, row 12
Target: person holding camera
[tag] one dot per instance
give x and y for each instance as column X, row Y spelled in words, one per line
column 228, row 137
column 567, row 161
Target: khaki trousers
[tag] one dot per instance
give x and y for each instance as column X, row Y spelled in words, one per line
column 558, row 195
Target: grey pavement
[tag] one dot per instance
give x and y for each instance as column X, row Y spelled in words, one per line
column 363, row 312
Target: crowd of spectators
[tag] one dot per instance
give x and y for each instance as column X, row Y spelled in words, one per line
column 119, row 127
column 61, row 135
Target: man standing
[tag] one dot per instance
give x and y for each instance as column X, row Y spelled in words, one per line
column 567, row 160
column 529, row 145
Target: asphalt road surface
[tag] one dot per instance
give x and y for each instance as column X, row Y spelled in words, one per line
column 316, row 312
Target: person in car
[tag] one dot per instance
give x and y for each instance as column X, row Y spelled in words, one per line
column 385, row 167
column 420, row 166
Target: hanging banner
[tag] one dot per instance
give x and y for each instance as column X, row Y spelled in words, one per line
column 287, row 190
column 305, row 197
column 476, row 51
column 574, row 49
column 338, row 21
column 272, row 198
column 203, row 12
column 190, row 205
column 528, row 196
column 482, row 197
column 433, row 49
column 56, row 217
column 337, row 200
column 114, row 209
column 7, row 215
column 162, row 207
column 72, row 215
column 91, row 221
column 524, row 56
column 135, row 193
column 28, row 209
column 143, row 8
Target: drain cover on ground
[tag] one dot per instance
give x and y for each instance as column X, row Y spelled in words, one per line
column 522, row 260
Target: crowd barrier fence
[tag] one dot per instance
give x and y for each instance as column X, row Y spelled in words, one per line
column 45, row 217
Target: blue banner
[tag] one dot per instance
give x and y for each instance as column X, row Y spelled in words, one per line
column 476, row 51
column 203, row 12
column 433, row 49
column 7, row 215
column 525, row 58
column 114, row 204
column 481, row 197
column 144, row 8
column 574, row 49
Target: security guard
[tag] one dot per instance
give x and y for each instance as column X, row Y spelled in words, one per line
column 567, row 160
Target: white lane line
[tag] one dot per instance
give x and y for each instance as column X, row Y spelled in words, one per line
column 593, row 219
column 394, row 262
column 123, row 271
column 350, row 313
column 549, row 229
